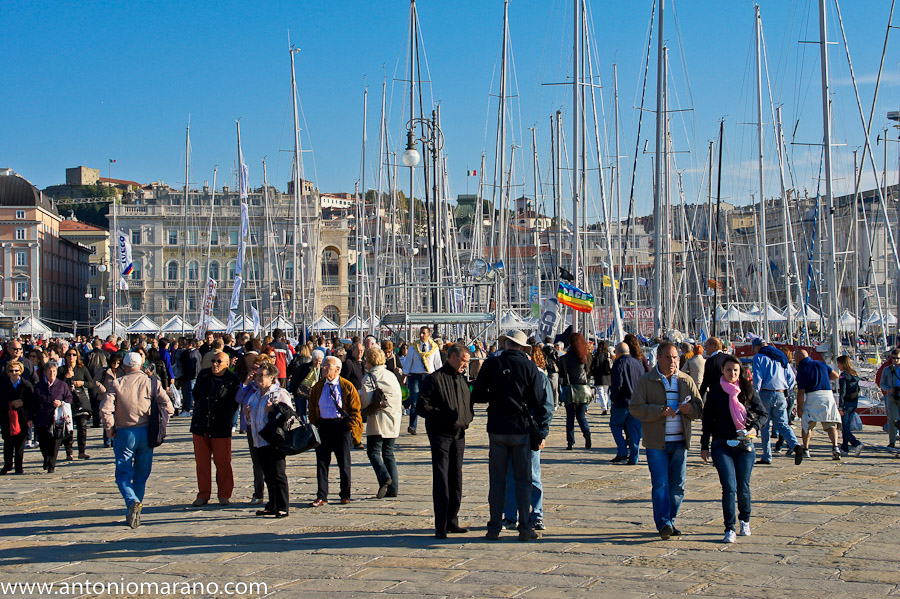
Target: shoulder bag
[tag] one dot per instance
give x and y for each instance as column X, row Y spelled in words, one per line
column 159, row 418
column 378, row 400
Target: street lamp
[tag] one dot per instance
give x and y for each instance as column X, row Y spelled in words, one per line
column 88, row 296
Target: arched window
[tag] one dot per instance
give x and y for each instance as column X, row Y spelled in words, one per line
column 138, row 270
column 289, row 271
column 333, row 314
column 214, row 270
column 193, row 270
column 330, row 266
column 172, row 270
column 232, row 265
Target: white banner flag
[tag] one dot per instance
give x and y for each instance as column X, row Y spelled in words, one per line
column 547, row 323
column 231, row 317
column 209, row 298
column 245, row 221
column 236, row 294
column 123, row 284
column 126, row 266
column 255, row 321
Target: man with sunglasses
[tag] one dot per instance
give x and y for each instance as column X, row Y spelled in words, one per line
column 211, row 426
column 14, row 351
column 890, row 386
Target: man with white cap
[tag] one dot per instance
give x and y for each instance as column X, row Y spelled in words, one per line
column 513, row 388
column 126, row 415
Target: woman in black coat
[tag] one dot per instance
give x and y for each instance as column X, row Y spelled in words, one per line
column 15, row 402
column 732, row 416
column 78, row 377
column 49, row 394
column 575, row 385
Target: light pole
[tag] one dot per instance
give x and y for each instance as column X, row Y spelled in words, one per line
column 88, row 296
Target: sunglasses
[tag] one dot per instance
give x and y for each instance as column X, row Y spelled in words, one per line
column 218, row 361
column 71, row 355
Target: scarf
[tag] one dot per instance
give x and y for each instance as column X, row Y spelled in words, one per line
column 737, row 409
column 426, row 355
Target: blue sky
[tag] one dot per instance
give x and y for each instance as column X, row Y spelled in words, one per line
column 91, row 80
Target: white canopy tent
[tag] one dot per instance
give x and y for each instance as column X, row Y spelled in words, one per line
column 216, row 325
column 280, row 323
column 325, row 325
column 355, row 324
column 798, row 313
column 511, row 320
column 34, row 328
column 848, row 322
column 177, row 325
column 883, row 319
column 773, row 314
column 735, row 315
column 144, row 324
column 105, row 329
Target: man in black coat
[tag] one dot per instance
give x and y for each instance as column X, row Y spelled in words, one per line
column 214, row 410
column 626, row 429
column 510, row 384
column 446, row 405
column 715, row 357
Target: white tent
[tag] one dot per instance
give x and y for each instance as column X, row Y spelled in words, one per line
column 355, row 324
column 876, row 320
column 735, row 315
column 38, row 329
column 280, row 323
column 848, row 322
column 105, row 329
column 177, row 325
column 324, row 325
column 773, row 314
column 798, row 313
column 215, row 325
column 511, row 320
column 143, row 325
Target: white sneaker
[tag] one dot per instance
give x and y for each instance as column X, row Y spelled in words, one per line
column 745, row 528
column 730, row 537
column 857, row 450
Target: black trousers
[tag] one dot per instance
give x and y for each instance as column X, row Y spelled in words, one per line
column 80, row 424
column 258, row 476
column 49, row 446
column 271, row 459
column 446, row 468
column 336, row 439
column 14, row 448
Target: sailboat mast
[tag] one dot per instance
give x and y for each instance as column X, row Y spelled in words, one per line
column 764, row 266
column 537, row 234
column 376, row 286
column 499, row 165
column 831, row 266
column 789, row 252
column 715, row 302
column 298, row 264
column 620, row 257
column 657, row 177
column 576, row 152
column 361, row 270
column 184, row 203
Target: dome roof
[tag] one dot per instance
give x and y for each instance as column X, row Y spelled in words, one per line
column 15, row 190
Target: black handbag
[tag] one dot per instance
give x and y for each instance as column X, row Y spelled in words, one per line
column 281, row 421
column 379, row 400
column 302, row 437
column 159, row 419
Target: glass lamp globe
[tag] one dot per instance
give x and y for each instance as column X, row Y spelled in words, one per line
column 102, row 268
column 411, row 157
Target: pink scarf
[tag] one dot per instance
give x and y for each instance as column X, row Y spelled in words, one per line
column 738, row 411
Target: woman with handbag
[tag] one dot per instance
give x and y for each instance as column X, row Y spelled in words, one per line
column 382, row 401
column 15, row 406
column 732, row 416
column 49, row 415
column 575, row 384
column 113, row 369
column 848, row 385
column 259, row 402
column 78, row 377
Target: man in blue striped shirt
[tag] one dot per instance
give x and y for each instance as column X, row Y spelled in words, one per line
column 772, row 377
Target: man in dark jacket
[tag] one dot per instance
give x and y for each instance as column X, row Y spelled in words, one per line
column 714, row 360
column 510, row 383
column 214, row 410
column 446, row 405
column 626, row 429
column 190, row 360
column 96, row 363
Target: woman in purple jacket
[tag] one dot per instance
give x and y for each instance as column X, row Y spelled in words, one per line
column 49, row 394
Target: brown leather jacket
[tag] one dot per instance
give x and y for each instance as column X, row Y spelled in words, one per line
column 351, row 405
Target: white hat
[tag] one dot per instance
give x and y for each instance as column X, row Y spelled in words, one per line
column 517, row 337
column 133, row 360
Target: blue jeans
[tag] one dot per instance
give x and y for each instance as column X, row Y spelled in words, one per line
column 626, row 430
column 413, row 383
column 734, row 466
column 668, row 469
column 381, row 456
column 572, row 412
column 503, row 450
column 776, row 405
column 848, row 438
column 134, row 460
column 537, row 491
column 187, row 395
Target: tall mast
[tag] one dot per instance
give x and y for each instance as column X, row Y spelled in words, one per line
column 831, row 266
column 537, row 234
column 267, row 224
column 657, row 177
column 789, row 251
column 715, row 302
column 762, row 194
column 376, row 285
column 618, row 180
column 298, row 264
column 499, row 164
column 558, row 188
column 361, row 266
column 413, row 250
column 184, row 203
column 576, row 151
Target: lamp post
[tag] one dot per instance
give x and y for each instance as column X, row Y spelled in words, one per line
column 433, row 139
column 88, row 296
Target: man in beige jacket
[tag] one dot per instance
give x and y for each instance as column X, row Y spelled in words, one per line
column 666, row 401
column 126, row 414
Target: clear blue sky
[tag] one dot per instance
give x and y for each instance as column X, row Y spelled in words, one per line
column 91, row 80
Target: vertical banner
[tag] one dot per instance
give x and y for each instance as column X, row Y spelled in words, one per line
column 535, row 301
column 209, row 298
column 236, row 294
column 547, row 322
column 255, row 321
column 231, row 317
column 126, row 266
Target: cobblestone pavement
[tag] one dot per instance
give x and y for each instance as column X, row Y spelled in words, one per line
column 824, row 527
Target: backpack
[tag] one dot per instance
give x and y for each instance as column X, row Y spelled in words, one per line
column 159, row 418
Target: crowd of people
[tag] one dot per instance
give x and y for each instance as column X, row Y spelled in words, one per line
column 55, row 391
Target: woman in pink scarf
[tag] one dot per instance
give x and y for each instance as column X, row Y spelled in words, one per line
column 732, row 417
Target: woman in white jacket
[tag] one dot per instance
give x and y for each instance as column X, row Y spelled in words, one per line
column 383, row 423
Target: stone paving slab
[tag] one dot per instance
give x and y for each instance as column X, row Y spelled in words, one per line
column 824, row 525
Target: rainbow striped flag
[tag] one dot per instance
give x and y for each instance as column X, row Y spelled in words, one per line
column 569, row 295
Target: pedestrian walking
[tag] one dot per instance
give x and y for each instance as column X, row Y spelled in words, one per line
column 626, row 429
column 78, row 377
column 383, row 421
column 696, row 365
column 16, row 396
column 890, row 386
column 422, row 359
column 575, row 385
column 52, row 405
column 848, row 402
column 731, row 420
column 772, row 377
column 666, row 402
column 126, row 411
column 815, row 399
column 601, row 370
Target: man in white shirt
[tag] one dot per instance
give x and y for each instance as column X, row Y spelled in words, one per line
column 422, row 359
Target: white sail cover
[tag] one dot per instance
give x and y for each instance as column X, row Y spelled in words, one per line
column 105, row 329
column 35, row 327
column 177, row 325
column 144, row 324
